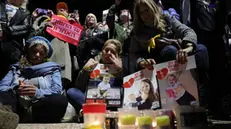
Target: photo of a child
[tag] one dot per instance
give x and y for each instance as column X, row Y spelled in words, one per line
column 147, row 96
column 104, row 86
column 177, row 91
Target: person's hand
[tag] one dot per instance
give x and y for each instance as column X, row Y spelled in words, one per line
column 132, row 97
column 49, row 24
column 90, row 65
column 117, row 62
column 28, row 90
column 182, row 54
column 148, row 63
column 105, row 95
column 50, row 13
column 35, row 13
column 117, row 2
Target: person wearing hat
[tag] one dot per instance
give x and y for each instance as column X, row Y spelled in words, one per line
column 34, row 84
column 62, row 9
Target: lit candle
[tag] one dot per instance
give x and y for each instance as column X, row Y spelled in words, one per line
column 162, row 120
column 128, row 120
column 94, row 125
column 144, row 120
column 153, row 124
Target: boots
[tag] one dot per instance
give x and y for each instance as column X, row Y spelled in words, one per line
column 8, row 119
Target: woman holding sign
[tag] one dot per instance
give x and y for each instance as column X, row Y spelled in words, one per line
column 150, row 40
column 109, row 55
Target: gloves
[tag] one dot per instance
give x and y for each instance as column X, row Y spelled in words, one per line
column 6, row 30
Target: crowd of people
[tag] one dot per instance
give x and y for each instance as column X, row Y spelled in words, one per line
column 40, row 74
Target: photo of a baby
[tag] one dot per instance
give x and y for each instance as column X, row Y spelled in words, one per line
column 178, row 84
column 177, row 91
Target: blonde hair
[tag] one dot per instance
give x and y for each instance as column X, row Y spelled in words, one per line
column 116, row 43
column 159, row 21
column 85, row 23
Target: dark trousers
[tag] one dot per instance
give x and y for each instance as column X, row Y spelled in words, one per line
column 49, row 109
column 186, row 99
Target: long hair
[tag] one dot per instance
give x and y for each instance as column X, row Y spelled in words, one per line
column 159, row 21
column 152, row 96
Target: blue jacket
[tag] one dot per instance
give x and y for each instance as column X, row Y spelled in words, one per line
column 46, row 75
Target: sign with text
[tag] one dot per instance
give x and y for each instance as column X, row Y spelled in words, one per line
column 64, row 30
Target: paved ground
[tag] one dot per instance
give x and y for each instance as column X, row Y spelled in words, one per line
column 51, row 126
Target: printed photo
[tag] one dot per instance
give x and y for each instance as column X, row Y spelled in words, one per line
column 143, row 92
column 104, row 87
column 181, row 88
column 178, row 84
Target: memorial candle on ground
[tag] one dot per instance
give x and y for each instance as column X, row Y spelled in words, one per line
column 127, row 122
column 163, row 121
column 145, row 122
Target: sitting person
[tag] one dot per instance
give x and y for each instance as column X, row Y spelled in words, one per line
column 34, row 84
column 109, row 55
column 149, row 22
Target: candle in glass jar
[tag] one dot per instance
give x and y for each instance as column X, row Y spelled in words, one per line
column 144, row 120
column 94, row 125
column 162, row 120
column 128, row 120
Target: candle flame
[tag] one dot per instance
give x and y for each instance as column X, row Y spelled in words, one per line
column 136, row 123
column 154, row 124
column 96, row 123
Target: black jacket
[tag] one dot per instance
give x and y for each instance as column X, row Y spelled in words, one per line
column 14, row 31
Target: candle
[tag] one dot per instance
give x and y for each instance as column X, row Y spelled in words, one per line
column 144, row 120
column 94, row 125
column 128, row 120
column 162, row 120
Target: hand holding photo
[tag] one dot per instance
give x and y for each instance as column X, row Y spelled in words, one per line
column 103, row 86
column 177, row 83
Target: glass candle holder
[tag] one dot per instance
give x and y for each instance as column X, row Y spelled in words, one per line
column 162, row 119
column 145, row 120
column 127, row 118
column 94, row 115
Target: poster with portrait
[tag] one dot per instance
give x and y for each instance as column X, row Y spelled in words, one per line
column 141, row 90
column 104, row 87
column 104, row 17
column 177, row 83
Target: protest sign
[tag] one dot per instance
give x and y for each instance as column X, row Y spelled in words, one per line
column 64, row 30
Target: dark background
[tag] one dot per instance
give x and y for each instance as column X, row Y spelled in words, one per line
column 92, row 6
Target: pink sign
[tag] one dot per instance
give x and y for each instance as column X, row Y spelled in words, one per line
column 64, row 30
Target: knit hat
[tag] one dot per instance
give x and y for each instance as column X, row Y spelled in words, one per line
column 40, row 40
column 61, row 5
